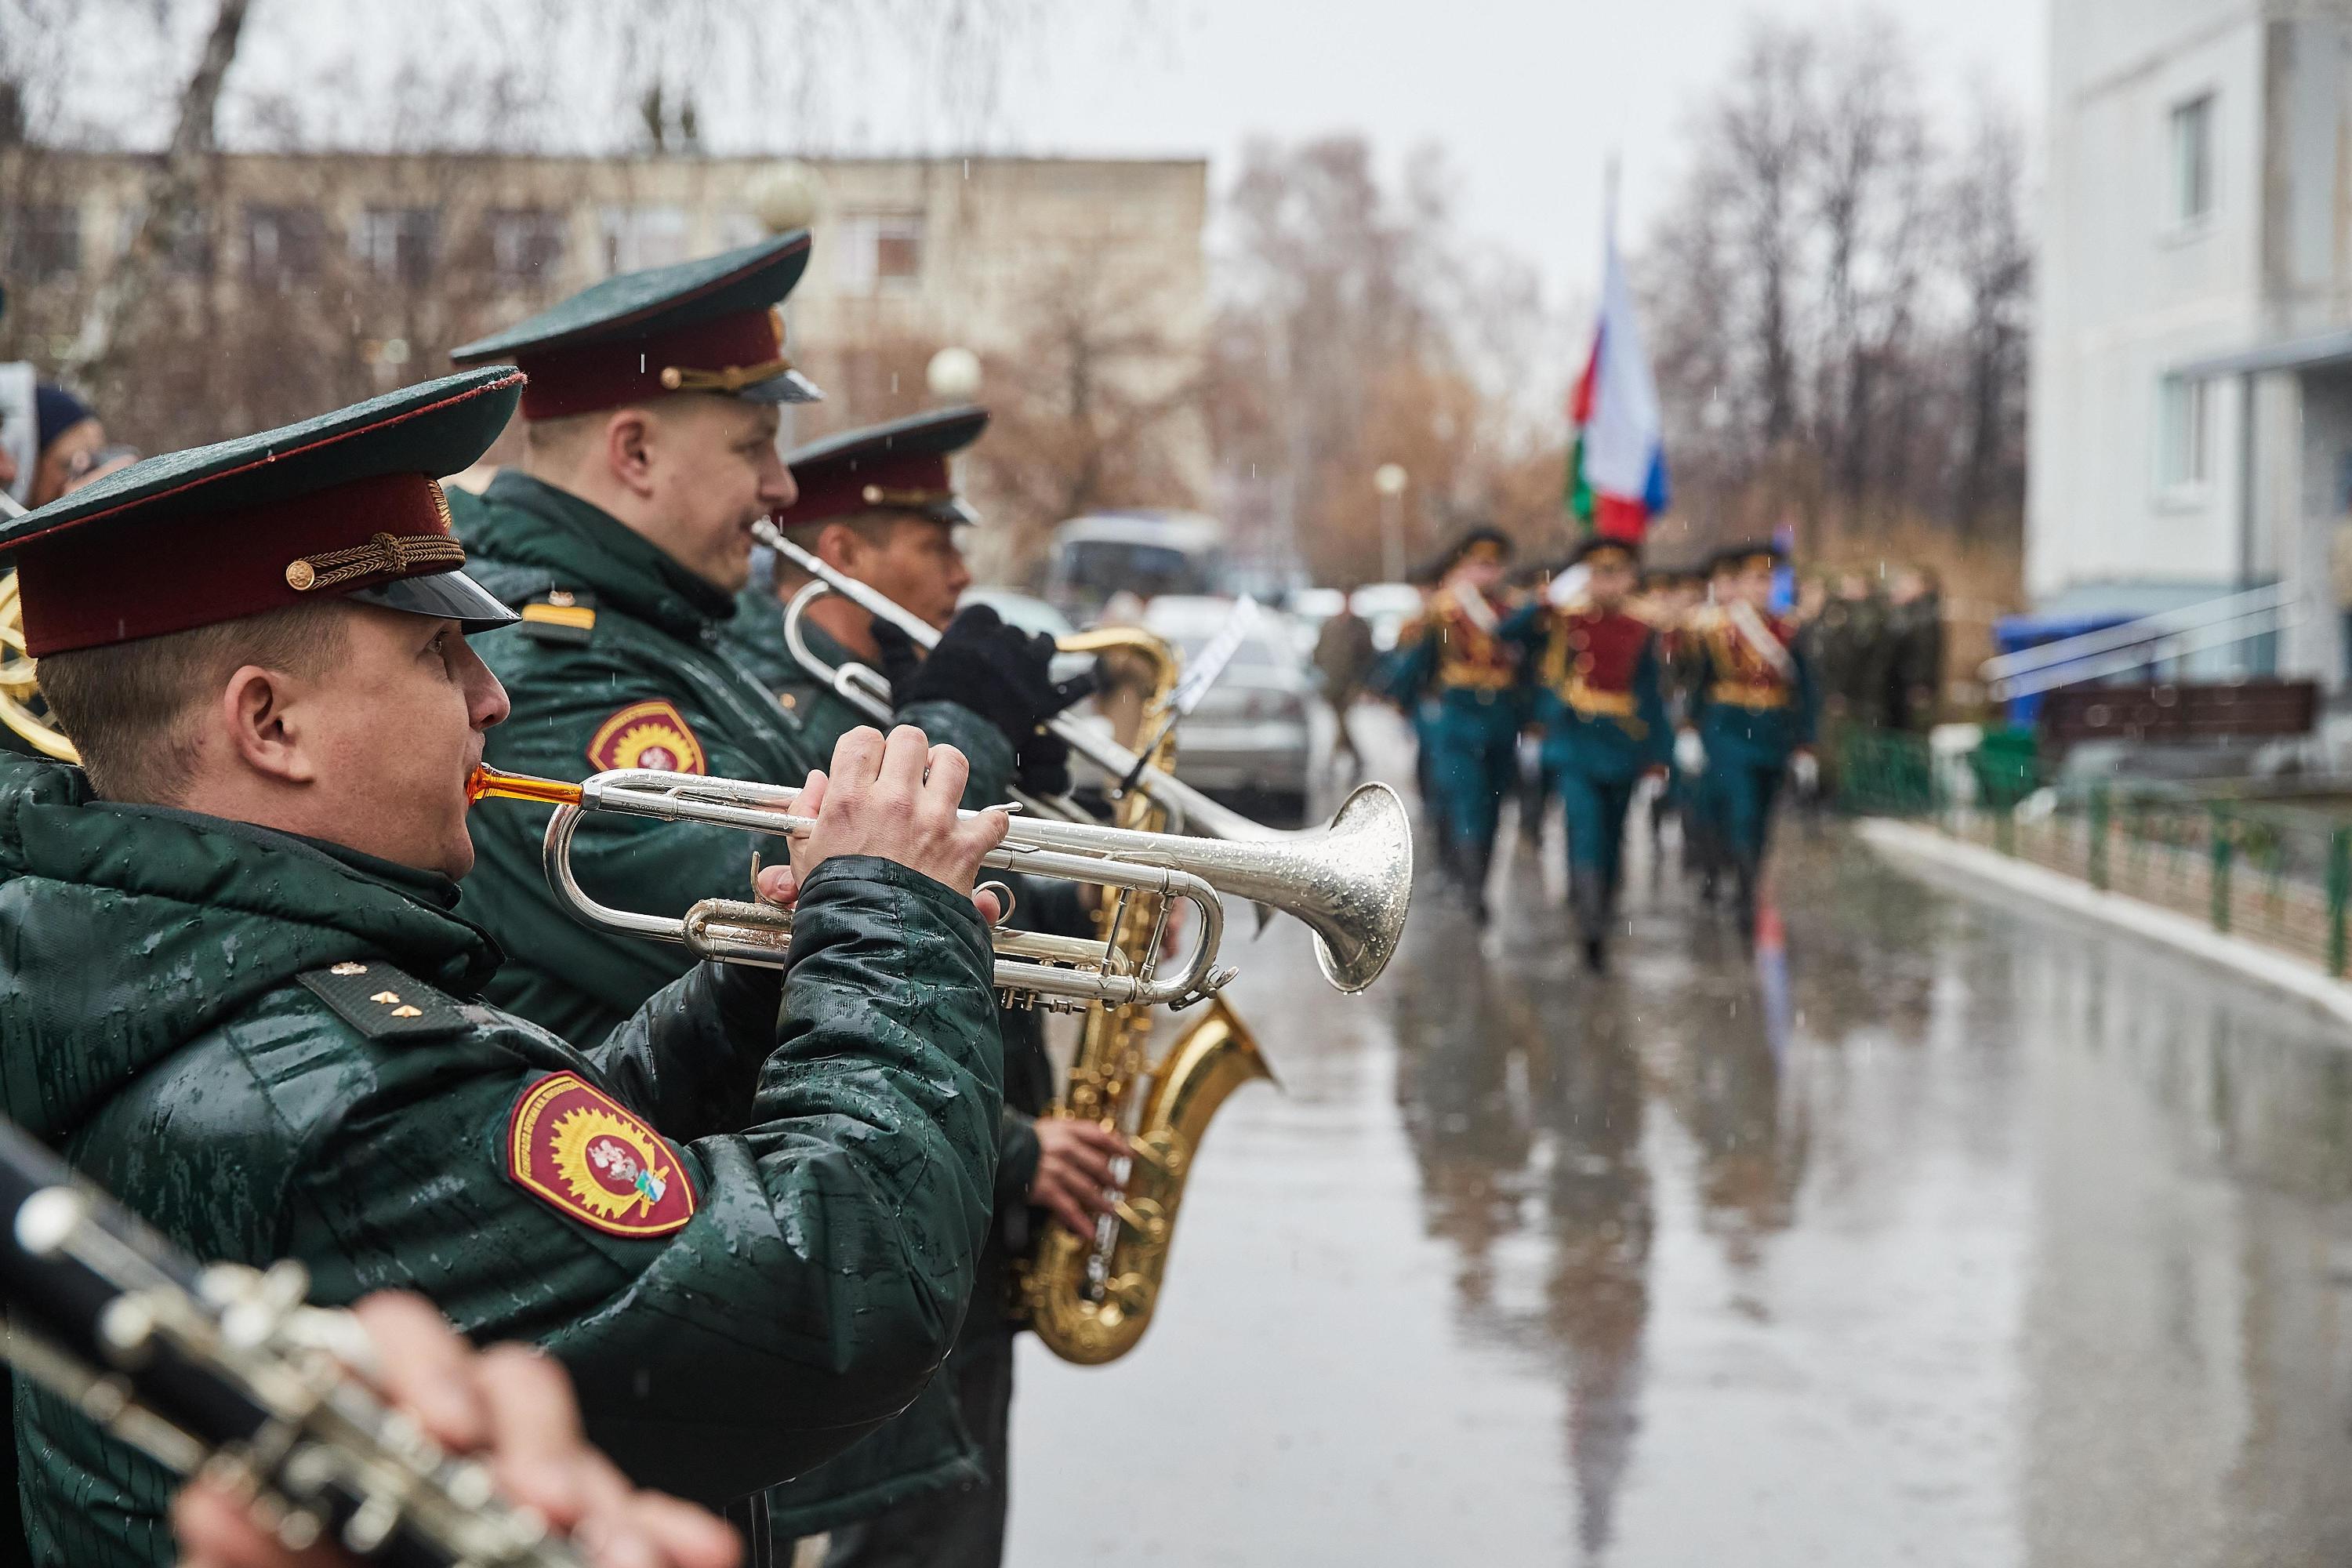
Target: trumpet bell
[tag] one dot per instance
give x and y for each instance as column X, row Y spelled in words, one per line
column 1362, row 871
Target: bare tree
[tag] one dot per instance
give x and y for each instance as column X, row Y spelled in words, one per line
column 1993, row 257
column 1096, row 403
column 1837, row 302
column 1355, row 331
column 171, row 197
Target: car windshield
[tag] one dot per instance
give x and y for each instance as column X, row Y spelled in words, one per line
column 1101, row 567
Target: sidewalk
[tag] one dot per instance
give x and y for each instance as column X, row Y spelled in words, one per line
column 1905, row 842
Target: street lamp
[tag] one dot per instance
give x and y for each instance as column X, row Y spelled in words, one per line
column 785, row 197
column 1390, row 480
column 953, row 376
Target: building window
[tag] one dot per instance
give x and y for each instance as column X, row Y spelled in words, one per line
column 643, row 237
column 526, row 244
column 43, row 242
column 398, row 243
column 878, row 251
column 2184, row 420
column 2193, row 161
column 283, row 245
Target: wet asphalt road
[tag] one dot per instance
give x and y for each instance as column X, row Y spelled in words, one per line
column 1968, row 1237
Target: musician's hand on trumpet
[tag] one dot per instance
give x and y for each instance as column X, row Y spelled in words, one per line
column 896, row 798
column 511, row 1406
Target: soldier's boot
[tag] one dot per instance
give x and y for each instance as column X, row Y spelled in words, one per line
column 1475, row 861
column 1588, row 897
column 1744, row 896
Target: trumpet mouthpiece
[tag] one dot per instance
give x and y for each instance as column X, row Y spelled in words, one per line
column 487, row 782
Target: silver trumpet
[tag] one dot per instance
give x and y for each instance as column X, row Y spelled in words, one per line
column 1189, row 810
column 1349, row 881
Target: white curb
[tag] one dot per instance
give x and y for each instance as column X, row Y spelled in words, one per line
column 1903, row 840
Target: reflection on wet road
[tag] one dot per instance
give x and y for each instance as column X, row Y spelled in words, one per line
column 2007, row 1243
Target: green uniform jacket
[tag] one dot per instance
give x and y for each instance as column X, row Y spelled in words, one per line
column 622, row 654
column 928, row 1448
column 173, row 1019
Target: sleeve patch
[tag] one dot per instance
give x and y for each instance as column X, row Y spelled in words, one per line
column 384, row 1003
column 647, row 735
column 580, row 1151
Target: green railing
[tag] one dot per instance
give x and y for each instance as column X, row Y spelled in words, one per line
column 2272, row 871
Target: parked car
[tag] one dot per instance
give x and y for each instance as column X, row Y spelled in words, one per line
column 1250, row 742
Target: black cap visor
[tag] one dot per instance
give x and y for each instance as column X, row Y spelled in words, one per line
column 791, row 386
column 446, row 595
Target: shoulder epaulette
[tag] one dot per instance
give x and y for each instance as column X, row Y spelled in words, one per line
column 385, row 1002
column 560, row 615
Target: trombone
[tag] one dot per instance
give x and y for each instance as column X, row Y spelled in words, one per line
column 1188, row 808
column 1349, row 882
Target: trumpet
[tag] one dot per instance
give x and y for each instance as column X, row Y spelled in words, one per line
column 1188, row 808
column 1350, row 882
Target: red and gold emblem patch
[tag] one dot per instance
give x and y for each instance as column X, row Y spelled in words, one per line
column 646, row 735
column 573, row 1146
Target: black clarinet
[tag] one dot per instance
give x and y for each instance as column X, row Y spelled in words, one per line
column 223, row 1370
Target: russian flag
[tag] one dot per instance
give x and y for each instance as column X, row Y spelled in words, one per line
column 1617, row 457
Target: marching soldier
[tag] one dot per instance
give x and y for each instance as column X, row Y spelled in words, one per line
column 1751, row 717
column 649, row 450
column 1456, row 654
column 747, row 1221
column 1673, row 597
column 878, row 505
column 1600, row 698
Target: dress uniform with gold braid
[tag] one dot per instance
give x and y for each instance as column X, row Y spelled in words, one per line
column 1456, row 652
column 1752, row 711
column 1600, row 695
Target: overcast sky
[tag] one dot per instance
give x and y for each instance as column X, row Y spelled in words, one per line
column 1528, row 96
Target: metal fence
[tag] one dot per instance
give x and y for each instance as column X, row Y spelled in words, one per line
column 2273, row 873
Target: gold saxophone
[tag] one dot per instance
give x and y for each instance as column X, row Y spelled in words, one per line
column 19, row 688
column 1089, row 1298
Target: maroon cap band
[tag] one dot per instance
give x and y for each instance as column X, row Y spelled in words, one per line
column 887, row 481
column 721, row 353
column 144, row 578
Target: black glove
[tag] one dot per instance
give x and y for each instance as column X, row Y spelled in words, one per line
column 899, row 654
column 998, row 671
column 1045, row 765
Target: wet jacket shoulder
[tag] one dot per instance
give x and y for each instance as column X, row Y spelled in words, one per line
column 755, row 636
column 617, row 663
column 293, row 1065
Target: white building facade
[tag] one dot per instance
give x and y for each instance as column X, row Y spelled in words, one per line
column 2193, row 365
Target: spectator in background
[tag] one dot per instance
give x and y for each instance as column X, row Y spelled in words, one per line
column 65, row 432
column 1849, row 641
column 1344, row 656
column 93, row 464
column 1914, row 666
